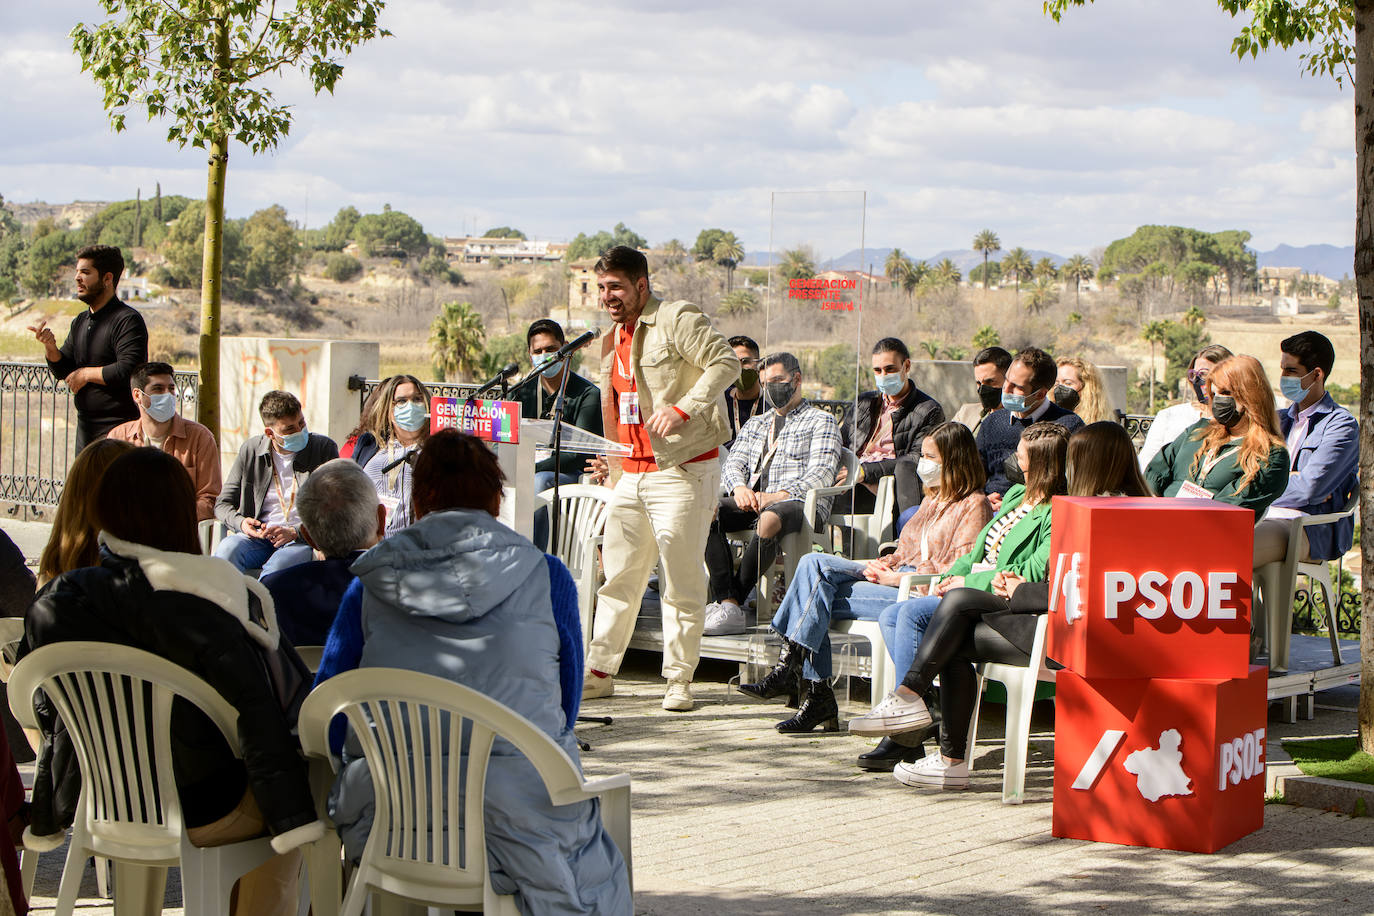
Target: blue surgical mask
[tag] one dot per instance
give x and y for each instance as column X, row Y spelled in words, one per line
column 1016, row 403
column 295, row 441
column 410, row 416
column 161, row 407
column 548, row 371
column 1292, row 387
column 890, row 384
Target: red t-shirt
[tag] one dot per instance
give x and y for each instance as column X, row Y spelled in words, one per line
column 635, row 435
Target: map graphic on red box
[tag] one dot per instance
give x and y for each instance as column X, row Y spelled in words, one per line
column 1173, row 763
column 1150, row 587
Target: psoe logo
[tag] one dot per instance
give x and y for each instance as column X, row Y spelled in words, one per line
column 1240, row 759
column 1068, row 586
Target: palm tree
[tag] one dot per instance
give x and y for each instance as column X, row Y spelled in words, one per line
column 1077, row 269
column 914, row 273
column 1155, row 332
column 987, row 242
column 946, row 274
column 932, row 348
column 986, row 336
column 1194, row 316
column 456, row 339
column 739, row 302
column 1044, row 292
column 1017, row 262
column 1045, row 268
column 797, row 264
column 674, row 251
column 894, row 268
column 728, row 253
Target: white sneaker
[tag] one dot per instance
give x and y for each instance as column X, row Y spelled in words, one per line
column 894, row 715
column 724, row 619
column 678, row 696
column 594, row 688
column 933, row 772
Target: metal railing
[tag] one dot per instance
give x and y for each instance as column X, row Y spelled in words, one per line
column 38, row 433
column 1136, row 425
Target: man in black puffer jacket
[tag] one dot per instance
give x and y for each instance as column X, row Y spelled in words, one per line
column 885, row 429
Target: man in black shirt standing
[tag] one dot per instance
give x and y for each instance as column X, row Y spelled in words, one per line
column 103, row 347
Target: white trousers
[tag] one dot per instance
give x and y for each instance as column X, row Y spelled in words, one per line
column 671, row 510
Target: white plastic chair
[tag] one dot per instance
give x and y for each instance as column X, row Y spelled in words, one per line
column 884, row 673
column 1019, row 682
column 1278, row 581
column 581, row 530
column 396, row 714
column 860, row 534
column 116, row 703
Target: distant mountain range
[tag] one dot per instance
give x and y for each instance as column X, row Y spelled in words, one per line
column 1327, row 260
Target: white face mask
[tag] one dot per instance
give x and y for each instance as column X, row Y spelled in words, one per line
column 929, row 472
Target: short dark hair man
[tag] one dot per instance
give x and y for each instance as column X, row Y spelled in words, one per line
column 581, row 408
column 159, row 425
column 1324, row 450
column 341, row 517
column 104, row 345
column 258, row 502
column 1025, row 400
column 663, row 371
column 885, row 429
column 989, row 375
column 744, row 397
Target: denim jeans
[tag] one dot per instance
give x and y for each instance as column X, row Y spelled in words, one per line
column 827, row 588
column 543, row 480
column 903, row 624
column 251, row 553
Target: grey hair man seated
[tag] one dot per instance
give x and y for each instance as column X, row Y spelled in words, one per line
column 340, row 517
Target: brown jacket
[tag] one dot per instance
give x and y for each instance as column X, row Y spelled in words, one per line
column 678, row 358
column 950, row 530
column 192, row 445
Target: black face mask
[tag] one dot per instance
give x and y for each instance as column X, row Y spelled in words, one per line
column 1012, row 470
column 779, row 393
column 1224, row 410
column 1065, row 397
column 990, row 397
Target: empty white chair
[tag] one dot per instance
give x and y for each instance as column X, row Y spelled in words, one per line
column 1020, row 685
column 428, row 839
column 581, row 529
column 116, row 703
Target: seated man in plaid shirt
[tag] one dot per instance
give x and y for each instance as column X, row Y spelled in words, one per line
column 778, row 457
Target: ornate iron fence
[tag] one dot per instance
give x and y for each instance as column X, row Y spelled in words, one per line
column 1136, row 425
column 1309, row 608
column 38, row 433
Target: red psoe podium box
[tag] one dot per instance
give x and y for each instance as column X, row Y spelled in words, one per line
column 1170, row 763
column 1145, row 588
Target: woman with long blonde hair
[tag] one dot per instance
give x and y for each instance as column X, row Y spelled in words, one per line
column 1238, row 455
column 72, row 544
column 1079, row 388
column 398, row 428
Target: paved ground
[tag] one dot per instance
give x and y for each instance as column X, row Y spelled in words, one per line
column 730, row 817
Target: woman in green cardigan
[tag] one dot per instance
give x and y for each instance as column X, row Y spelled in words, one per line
column 1017, row 540
column 1237, row 456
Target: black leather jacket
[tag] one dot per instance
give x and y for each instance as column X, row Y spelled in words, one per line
column 115, row 603
column 916, row 417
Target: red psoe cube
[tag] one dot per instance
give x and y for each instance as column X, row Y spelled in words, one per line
column 1150, row 587
column 1170, row 763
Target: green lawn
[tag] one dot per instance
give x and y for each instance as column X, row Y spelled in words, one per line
column 1335, row 758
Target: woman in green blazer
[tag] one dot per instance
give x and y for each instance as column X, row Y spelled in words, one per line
column 1017, row 541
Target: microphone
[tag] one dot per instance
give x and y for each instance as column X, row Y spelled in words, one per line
column 577, row 343
column 505, row 372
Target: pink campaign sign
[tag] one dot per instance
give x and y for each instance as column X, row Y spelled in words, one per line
column 490, row 421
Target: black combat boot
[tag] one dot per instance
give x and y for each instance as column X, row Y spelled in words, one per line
column 820, row 709
column 785, row 678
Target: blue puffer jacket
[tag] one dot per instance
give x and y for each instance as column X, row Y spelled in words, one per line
column 460, row 596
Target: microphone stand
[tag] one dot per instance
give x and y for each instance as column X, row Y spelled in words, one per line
column 557, row 443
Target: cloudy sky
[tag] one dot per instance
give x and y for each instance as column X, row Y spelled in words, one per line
column 561, row 117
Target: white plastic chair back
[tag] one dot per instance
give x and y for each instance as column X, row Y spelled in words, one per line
column 428, row 838
column 116, row 702
column 1020, row 682
column 581, row 524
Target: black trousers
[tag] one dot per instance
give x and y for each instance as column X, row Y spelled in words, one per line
column 955, row 639
column 759, row 553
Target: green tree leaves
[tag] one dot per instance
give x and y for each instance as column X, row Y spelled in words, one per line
column 591, row 246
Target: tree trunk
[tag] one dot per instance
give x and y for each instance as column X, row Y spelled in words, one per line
column 212, row 261
column 1364, row 281
column 1152, row 376
column 985, row 275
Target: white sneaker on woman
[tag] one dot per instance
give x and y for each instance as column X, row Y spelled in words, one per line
column 893, row 715
column 933, row 772
column 724, row 618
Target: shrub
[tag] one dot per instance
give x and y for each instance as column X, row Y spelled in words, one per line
column 341, row 267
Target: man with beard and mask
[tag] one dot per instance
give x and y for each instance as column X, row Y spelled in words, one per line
column 778, row 458
column 103, row 347
column 158, row 425
column 1025, row 400
column 989, row 375
column 744, row 398
column 663, row 371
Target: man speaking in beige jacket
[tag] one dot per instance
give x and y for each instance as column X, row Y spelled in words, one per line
column 663, row 371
